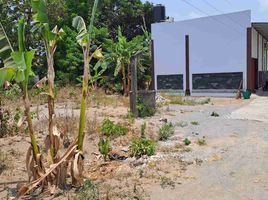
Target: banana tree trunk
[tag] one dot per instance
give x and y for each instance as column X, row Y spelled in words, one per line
column 30, row 124
column 51, row 104
column 81, row 133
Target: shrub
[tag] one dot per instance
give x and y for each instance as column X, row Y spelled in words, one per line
column 104, row 147
column 166, row 131
column 109, row 128
column 142, row 146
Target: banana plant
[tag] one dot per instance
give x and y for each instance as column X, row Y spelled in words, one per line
column 50, row 38
column 19, row 70
column 120, row 53
column 84, row 38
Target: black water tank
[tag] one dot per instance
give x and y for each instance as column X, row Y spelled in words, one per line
column 159, row 12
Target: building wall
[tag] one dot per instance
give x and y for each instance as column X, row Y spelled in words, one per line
column 217, row 45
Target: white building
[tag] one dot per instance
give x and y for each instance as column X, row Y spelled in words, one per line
column 224, row 51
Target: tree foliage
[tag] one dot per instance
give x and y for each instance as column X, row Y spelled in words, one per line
column 130, row 15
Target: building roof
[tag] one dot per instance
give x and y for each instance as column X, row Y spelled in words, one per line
column 262, row 28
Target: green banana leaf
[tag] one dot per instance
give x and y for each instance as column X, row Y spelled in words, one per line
column 40, row 10
column 7, row 72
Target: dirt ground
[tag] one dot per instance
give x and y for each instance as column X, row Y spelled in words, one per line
column 232, row 165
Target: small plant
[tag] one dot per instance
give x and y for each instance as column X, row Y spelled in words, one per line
column 143, row 127
column 187, row 142
column 104, row 147
column 214, row 114
column 202, row 141
column 18, row 114
column 144, row 110
column 109, row 128
column 166, row 131
column 88, row 191
column 195, row 123
column 142, row 146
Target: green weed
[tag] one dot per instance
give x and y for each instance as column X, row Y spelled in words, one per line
column 142, row 146
column 165, row 131
column 187, row 142
column 195, row 123
column 109, row 128
column 104, row 147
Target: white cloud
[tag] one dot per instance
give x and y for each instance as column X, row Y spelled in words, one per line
column 263, row 4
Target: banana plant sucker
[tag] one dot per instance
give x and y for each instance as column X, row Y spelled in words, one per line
column 84, row 39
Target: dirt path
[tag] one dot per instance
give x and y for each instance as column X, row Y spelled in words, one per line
column 235, row 164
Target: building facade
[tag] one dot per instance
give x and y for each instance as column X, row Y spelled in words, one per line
column 224, row 52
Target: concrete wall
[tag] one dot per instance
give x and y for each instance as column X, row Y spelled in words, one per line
column 217, row 45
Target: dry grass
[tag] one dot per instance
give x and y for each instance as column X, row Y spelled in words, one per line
column 187, row 101
column 4, row 162
column 99, row 98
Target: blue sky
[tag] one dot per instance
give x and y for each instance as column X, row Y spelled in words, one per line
column 180, row 10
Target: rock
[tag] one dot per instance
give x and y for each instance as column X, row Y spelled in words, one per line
column 117, row 155
column 160, row 100
column 139, row 162
column 163, row 120
column 125, row 149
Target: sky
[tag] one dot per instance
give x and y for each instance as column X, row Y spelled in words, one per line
column 180, row 10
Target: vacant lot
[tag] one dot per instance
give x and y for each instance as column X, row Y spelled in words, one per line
column 205, row 157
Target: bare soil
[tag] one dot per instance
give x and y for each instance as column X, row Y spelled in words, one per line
column 231, row 165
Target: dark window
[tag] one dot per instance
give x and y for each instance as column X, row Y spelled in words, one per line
column 170, row 82
column 217, row 80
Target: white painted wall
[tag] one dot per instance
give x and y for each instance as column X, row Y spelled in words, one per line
column 254, row 43
column 217, row 44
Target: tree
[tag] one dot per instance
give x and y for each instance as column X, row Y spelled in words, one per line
column 127, row 14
